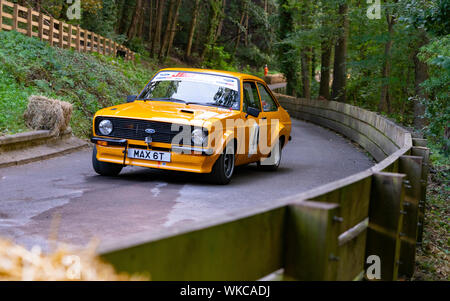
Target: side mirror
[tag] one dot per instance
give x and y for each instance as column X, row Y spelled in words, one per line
column 253, row 112
column 131, row 98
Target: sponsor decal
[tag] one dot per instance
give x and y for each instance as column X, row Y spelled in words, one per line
column 212, row 79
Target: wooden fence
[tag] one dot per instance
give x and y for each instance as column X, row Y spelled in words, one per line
column 36, row 24
column 327, row 233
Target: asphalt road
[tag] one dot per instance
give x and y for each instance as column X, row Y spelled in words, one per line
column 64, row 196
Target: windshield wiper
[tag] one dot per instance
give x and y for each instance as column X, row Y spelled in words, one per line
column 165, row 99
column 217, row 105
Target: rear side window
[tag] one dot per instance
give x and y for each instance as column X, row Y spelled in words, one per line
column 268, row 103
column 251, row 98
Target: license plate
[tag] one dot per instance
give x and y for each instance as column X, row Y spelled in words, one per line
column 149, row 155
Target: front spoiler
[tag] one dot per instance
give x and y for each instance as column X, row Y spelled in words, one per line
column 177, row 149
column 112, row 142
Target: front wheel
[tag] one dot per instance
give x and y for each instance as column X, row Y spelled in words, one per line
column 104, row 168
column 272, row 162
column 224, row 167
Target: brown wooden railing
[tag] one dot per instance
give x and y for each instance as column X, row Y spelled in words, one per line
column 36, row 24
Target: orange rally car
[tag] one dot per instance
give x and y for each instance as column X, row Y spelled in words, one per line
column 193, row 120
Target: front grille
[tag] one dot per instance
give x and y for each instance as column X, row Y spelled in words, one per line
column 134, row 129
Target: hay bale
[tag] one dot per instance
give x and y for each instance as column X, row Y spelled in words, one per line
column 18, row 263
column 67, row 109
column 45, row 113
column 271, row 79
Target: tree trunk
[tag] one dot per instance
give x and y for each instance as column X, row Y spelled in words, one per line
column 150, row 26
column 246, row 30
column 324, row 90
column 133, row 30
column 174, row 27
column 385, row 105
column 340, row 57
column 286, row 52
column 157, row 36
column 222, row 17
column 306, row 66
column 192, row 29
column 141, row 23
column 215, row 8
column 121, row 16
column 238, row 38
column 313, row 64
column 421, row 75
column 165, row 42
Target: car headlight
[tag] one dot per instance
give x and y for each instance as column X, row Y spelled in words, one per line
column 105, row 127
column 199, row 137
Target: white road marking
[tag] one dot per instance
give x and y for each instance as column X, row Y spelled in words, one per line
column 157, row 190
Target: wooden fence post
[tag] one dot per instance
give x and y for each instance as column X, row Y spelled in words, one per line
column 51, row 30
column 78, row 38
column 420, row 142
column 61, row 34
column 1, row 15
column 104, row 46
column 86, row 40
column 383, row 237
column 114, row 49
column 41, row 26
column 92, row 42
column 29, row 22
column 69, row 36
column 15, row 16
column 425, row 154
column 311, row 241
column 412, row 167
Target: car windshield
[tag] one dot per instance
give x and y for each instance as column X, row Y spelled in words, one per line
column 194, row 88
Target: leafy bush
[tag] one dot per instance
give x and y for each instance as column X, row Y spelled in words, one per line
column 254, row 56
column 88, row 81
column 437, row 56
column 219, row 59
column 137, row 45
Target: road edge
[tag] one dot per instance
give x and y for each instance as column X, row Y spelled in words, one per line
column 35, row 146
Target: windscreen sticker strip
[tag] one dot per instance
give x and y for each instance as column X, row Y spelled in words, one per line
column 217, row 80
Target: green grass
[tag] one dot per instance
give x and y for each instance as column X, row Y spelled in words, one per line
column 88, row 81
column 433, row 258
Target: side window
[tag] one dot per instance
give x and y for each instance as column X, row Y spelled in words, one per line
column 251, row 98
column 268, row 102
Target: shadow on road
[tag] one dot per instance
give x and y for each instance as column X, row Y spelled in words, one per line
column 132, row 174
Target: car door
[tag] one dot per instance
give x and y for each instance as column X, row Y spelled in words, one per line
column 269, row 116
column 250, row 99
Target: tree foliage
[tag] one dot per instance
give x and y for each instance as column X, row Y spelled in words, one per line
column 395, row 62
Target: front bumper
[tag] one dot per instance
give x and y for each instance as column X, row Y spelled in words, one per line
column 188, row 159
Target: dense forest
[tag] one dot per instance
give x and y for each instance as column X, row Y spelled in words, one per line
column 389, row 56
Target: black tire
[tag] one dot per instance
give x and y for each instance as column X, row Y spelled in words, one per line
column 103, row 168
column 224, row 167
column 276, row 164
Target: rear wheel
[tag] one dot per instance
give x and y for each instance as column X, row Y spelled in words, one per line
column 223, row 169
column 104, row 168
column 272, row 162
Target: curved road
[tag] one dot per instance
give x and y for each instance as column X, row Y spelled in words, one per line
column 64, row 196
